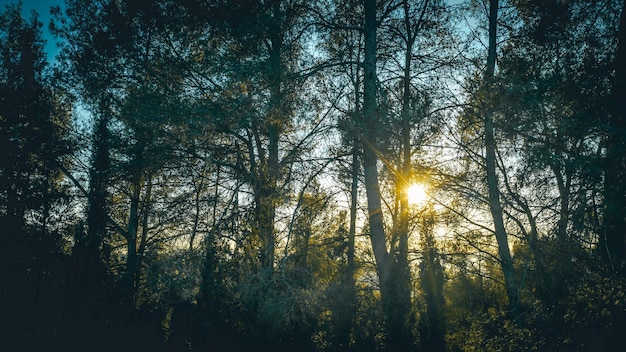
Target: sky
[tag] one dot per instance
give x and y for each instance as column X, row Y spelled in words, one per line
column 43, row 10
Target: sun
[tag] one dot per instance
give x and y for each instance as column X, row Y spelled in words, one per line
column 417, row 194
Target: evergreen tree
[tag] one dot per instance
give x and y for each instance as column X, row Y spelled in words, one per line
column 32, row 123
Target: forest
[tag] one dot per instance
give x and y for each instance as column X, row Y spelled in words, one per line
column 313, row 175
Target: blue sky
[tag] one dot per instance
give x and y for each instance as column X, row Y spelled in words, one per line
column 43, row 9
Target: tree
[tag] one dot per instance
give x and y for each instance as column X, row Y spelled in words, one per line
column 541, row 68
column 612, row 241
column 432, row 326
column 398, row 337
column 35, row 208
column 495, row 206
column 417, row 30
column 32, row 119
column 89, row 50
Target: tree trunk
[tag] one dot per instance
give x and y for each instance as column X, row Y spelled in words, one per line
column 611, row 242
column 271, row 172
column 495, row 206
column 344, row 310
column 432, row 279
column 370, row 122
column 402, row 275
column 197, row 208
column 397, row 337
column 354, row 189
column 97, row 211
column 563, row 181
column 131, row 236
column 143, row 241
column 88, row 252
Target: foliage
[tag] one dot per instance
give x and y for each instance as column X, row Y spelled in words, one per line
column 33, row 119
column 230, row 176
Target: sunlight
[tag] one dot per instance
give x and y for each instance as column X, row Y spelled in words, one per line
column 417, row 194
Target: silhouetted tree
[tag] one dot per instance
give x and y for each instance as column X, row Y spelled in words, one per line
column 32, row 123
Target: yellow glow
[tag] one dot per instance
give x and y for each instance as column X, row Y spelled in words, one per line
column 417, row 194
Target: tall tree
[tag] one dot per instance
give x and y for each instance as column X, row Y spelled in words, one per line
column 34, row 202
column 31, row 123
column 613, row 240
column 88, row 75
column 432, row 326
column 402, row 270
column 495, row 206
column 541, row 67
column 419, row 28
column 265, row 84
column 398, row 336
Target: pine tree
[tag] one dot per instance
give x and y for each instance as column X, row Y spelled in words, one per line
column 31, row 124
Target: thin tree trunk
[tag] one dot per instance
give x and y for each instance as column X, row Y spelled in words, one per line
column 196, row 217
column 347, row 295
column 354, row 188
column 370, row 160
column 495, row 205
column 431, row 274
column 268, row 198
column 344, row 314
column 401, row 271
column 131, row 236
column 563, row 187
column 143, row 241
column 612, row 240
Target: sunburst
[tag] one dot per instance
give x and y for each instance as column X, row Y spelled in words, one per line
column 417, row 194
